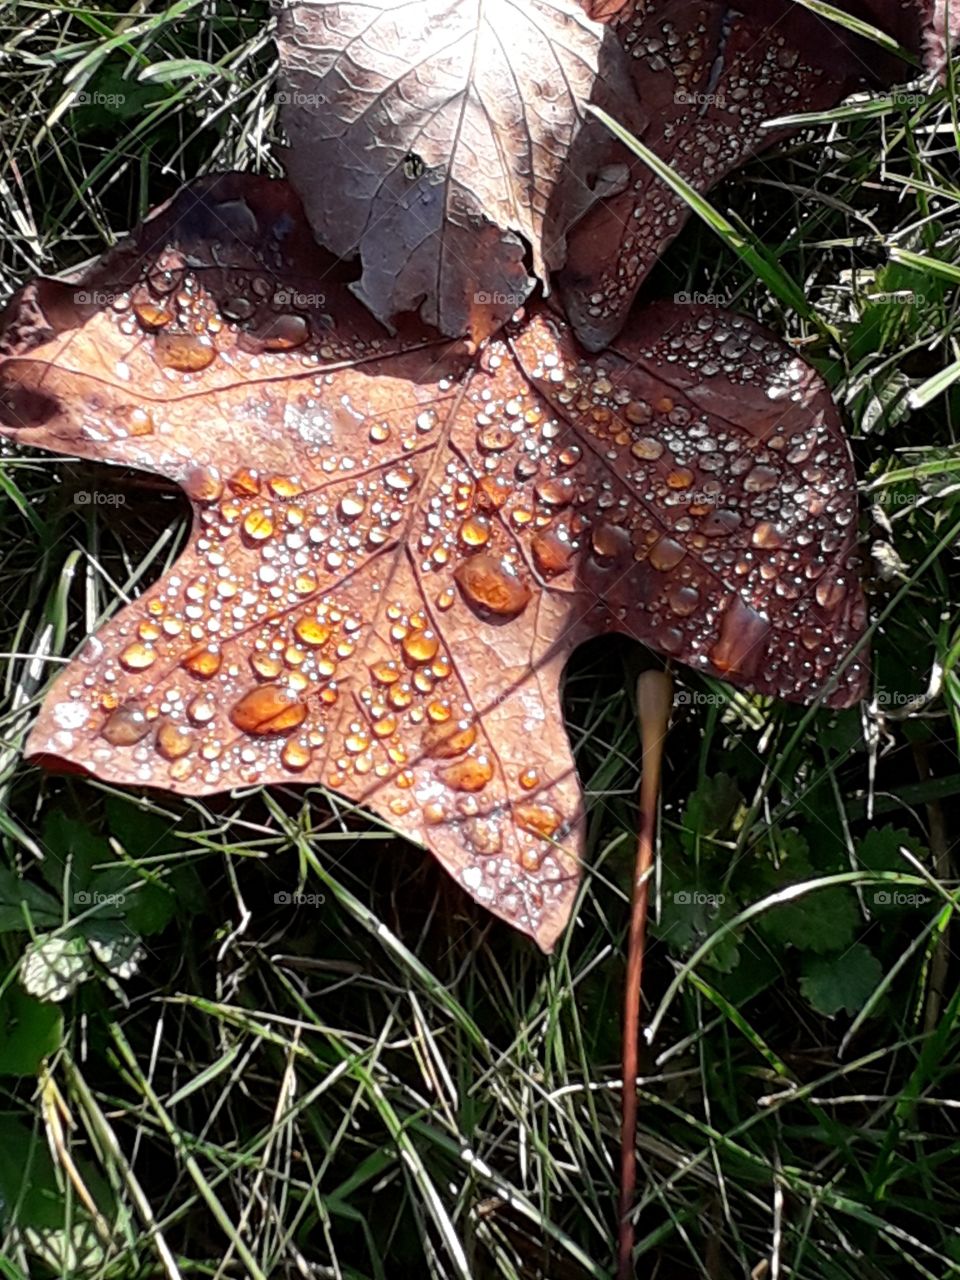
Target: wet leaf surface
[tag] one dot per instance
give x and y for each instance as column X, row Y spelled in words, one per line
column 399, row 540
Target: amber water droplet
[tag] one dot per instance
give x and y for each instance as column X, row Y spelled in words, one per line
column 400, row 695
column 172, row 742
column 445, row 599
column 666, row 554
column 475, row 531
column 420, row 646
column 470, row 774
column 203, row 662
column 647, row 448
column 399, row 805
column 184, row 352
column 741, row 644
column 311, row 631
column 125, row 727
column 258, row 526
column 570, row 456
column 555, row 491
column 267, row 665
column 551, row 553
column 284, row 487
column 137, row 657
column 295, row 756
column 268, row 709
column 443, row 741
column 151, row 315
column 718, row 524
column 492, row 493
column 528, row 779
column 489, row 585
column 385, row 672
column 439, row 711
column 680, row 478
column 245, row 482
column 538, row 819
column 495, row 437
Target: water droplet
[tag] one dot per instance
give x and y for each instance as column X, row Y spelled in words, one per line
column 203, row 662
column 285, row 333
column 202, row 484
column 760, row 480
column 767, row 536
column 184, row 352
column 666, row 554
column 351, row 505
column 151, row 315
column 609, row 542
column 555, row 491
column 137, row 657
column 295, row 756
column 258, row 526
column 646, row 448
column 683, row 600
column 551, row 553
column 270, row 708
column 538, row 819
column 470, row 774
column 443, row 741
column 529, row 779
column 284, row 487
column 400, row 479
column 492, row 493
column 172, row 742
column 495, row 437
column 475, row 531
column 741, row 644
column 490, row 585
column 420, row 646
column 125, row 727
column 385, row 672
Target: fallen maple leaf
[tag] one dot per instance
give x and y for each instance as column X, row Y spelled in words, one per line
column 442, row 141
column 398, row 541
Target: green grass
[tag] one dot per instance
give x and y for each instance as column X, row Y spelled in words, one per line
column 388, row 1082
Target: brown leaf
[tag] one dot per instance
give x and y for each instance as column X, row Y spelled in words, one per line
column 439, row 140
column 429, row 138
column 708, row 78
column 398, row 543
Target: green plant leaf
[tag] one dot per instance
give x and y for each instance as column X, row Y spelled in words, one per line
column 844, row 980
column 30, row 1030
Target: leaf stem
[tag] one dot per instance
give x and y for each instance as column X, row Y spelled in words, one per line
column 654, row 700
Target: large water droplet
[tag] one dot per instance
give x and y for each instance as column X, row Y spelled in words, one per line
column 268, row 709
column 489, row 584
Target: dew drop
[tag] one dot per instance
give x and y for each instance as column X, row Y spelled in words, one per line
column 490, row 585
column 184, row 352
column 270, row 708
column 125, row 727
